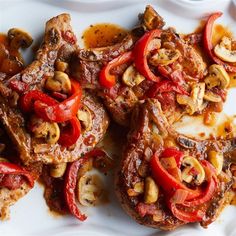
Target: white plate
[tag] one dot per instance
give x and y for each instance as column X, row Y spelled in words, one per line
column 30, row 215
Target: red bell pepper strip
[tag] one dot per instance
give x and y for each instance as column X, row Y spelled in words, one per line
column 106, row 79
column 70, row 134
column 194, row 216
column 210, row 189
column 18, row 86
column 7, row 168
column 162, row 177
column 207, row 40
column 173, row 152
column 140, row 52
column 70, row 185
column 164, row 87
column 63, row 111
column 28, row 99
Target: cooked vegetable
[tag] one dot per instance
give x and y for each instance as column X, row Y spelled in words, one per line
column 42, row 129
column 188, row 102
column 70, row 186
column 89, row 189
column 164, row 87
column 70, row 133
column 28, row 99
column 197, row 94
column 108, row 80
column 58, row 170
column 85, row 117
column 140, row 52
column 193, row 103
column 216, row 159
column 19, row 38
column 207, row 39
column 7, row 168
column 61, row 66
column 131, row 77
column 63, row 111
column 139, row 187
column 164, row 57
column 217, row 77
column 224, row 52
column 162, row 177
column 151, row 191
column 212, row 97
column 60, row 82
column 193, row 171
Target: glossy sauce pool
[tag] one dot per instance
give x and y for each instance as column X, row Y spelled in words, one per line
column 101, row 35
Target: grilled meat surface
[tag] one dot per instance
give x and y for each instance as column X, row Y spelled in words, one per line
column 150, row 134
column 59, row 43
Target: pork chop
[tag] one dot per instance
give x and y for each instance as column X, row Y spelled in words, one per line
column 59, row 42
column 151, row 133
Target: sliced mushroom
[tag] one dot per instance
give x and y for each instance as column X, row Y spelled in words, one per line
column 217, row 77
column 194, row 102
column 19, row 38
column 151, row 191
column 60, row 82
column 197, row 94
column 216, row 159
column 85, row 116
column 89, row 189
column 61, row 66
column 58, row 170
column 42, row 129
column 164, row 57
column 224, row 52
column 131, row 77
column 193, row 171
column 212, row 97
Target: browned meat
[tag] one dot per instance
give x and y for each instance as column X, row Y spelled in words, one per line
column 152, row 133
column 121, row 99
column 87, row 63
column 190, row 62
column 59, row 43
column 10, row 197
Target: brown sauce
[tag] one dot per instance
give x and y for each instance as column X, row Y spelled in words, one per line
column 11, row 61
column 101, row 35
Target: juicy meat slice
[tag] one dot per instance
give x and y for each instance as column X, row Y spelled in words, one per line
column 59, row 43
column 151, row 133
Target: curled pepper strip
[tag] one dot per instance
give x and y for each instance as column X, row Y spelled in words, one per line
column 194, row 216
column 106, row 79
column 162, row 177
column 28, row 99
column 210, row 189
column 63, row 111
column 9, row 168
column 207, row 40
column 141, row 52
column 165, row 86
column 70, row 185
column 70, row 135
